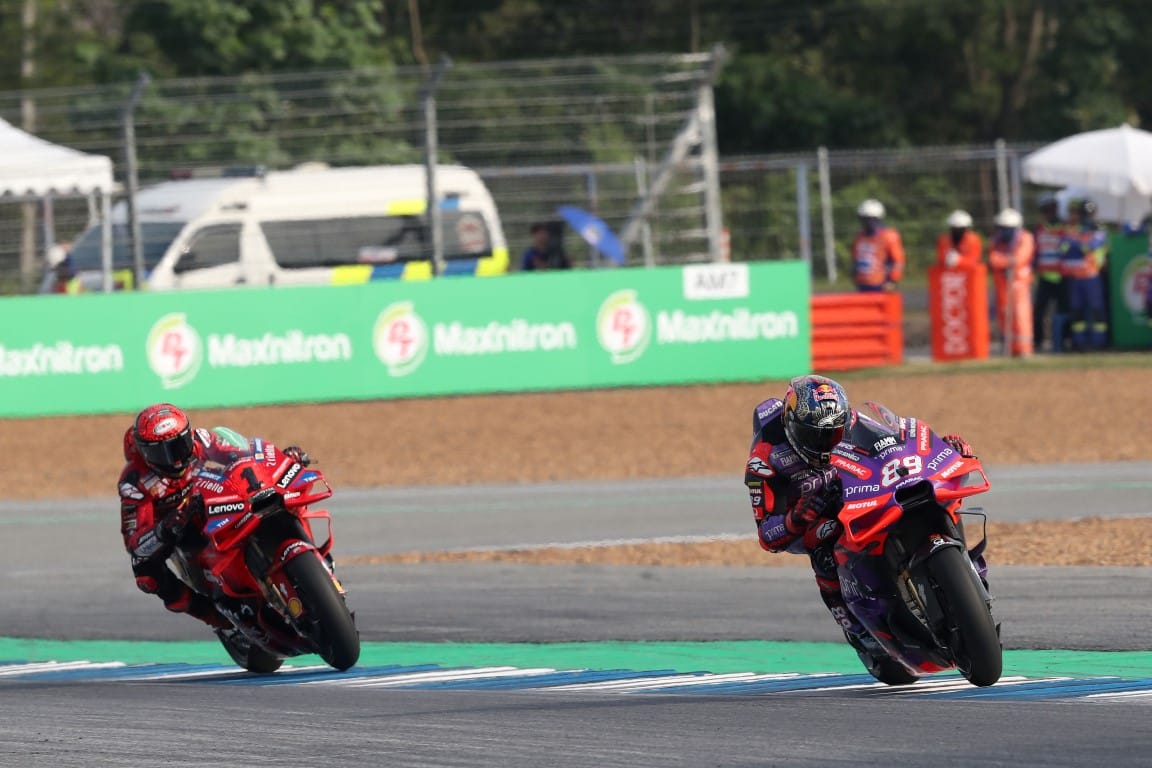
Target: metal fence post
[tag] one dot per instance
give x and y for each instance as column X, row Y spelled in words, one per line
column 710, row 158
column 128, row 117
column 804, row 228
column 432, row 193
column 1002, row 197
column 645, row 225
column 826, row 212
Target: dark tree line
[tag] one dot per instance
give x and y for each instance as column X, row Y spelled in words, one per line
column 843, row 73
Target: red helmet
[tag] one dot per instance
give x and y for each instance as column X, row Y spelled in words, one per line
column 130, row 443
column 163, row 436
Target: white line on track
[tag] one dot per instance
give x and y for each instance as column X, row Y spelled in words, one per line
column 482, row 673
column 16, row 670
column 701, row 539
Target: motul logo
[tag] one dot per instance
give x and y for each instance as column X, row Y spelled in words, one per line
column 954, row 311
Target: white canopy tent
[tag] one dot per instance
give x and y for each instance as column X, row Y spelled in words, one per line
column 32, row 168
column 1113, row 166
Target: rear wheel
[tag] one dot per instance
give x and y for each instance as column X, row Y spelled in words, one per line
column 332, row 627
column 885, row 669
column 251, row 657
column 970, row 630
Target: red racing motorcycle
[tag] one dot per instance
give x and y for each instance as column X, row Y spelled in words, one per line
column 262, row 554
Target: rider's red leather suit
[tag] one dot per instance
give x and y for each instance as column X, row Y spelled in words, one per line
column 147, row 499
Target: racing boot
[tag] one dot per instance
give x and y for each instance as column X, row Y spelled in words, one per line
column 184, row 600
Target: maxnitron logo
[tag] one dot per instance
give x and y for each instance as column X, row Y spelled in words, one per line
column 400, row 338
column 63, row 357
column 174, row 350
column 623, row 326
column 739, row 324
column 519, row 335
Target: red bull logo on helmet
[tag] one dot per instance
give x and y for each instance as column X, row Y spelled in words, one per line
column 825, row 392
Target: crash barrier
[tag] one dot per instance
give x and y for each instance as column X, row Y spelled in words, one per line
column 99, row 353
column 1130, row 275
column 958, row 312
column 856, row 330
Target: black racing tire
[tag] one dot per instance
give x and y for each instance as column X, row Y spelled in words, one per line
column 979, row 656
column 886, row 670
column 890, row 672
column 332, row 627
column 250, row 657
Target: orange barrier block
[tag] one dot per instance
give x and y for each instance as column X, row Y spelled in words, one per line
column 958, row 308
column 856, row 330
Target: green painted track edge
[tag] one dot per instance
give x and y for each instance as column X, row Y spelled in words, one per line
column 718, row 656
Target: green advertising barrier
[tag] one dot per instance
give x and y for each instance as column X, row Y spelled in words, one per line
column 1129, row 274
column 563, row 330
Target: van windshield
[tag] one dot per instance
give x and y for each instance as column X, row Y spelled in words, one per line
column 155, row 237
column 302, row 243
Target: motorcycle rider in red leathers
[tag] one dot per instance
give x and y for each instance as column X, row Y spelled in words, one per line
column 158, row 500
column 796, row 493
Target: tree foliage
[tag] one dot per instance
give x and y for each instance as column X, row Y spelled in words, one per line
column 843, row 73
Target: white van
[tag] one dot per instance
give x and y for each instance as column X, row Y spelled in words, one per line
column 311, row 225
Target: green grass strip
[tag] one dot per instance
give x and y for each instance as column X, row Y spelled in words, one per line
column 720, row 656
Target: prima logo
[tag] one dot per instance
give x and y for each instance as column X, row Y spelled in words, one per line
column 623, row 326
column 860, row 490
column 175, row 351
column 400, row 338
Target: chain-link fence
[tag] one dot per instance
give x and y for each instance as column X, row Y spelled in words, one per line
column 774, row 209
column 596, row 133
column 583, row 132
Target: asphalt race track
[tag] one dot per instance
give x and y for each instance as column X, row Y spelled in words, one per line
column 66, row 577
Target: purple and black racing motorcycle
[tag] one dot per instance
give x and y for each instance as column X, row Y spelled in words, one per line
column 906, row 569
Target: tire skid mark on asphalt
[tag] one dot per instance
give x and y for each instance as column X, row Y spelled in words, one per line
column 586, row 681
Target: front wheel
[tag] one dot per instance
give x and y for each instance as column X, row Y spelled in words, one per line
column 332, row 627
column 970, row 628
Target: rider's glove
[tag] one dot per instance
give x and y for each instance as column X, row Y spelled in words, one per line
column 807, row 510
column 960, row 445
column 171, row 529
column 299, row 454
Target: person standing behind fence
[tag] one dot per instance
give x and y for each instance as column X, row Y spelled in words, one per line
column 1084, row 250
column 1010, row 256
column 877, row 252
column 1051, row 287
column 546, row 252
column 959, row 247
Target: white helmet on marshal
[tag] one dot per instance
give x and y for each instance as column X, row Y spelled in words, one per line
column 871, row 209
column 959, row 219
column 1009, row 217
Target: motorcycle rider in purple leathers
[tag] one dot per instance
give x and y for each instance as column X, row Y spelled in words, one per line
column 796, row 493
